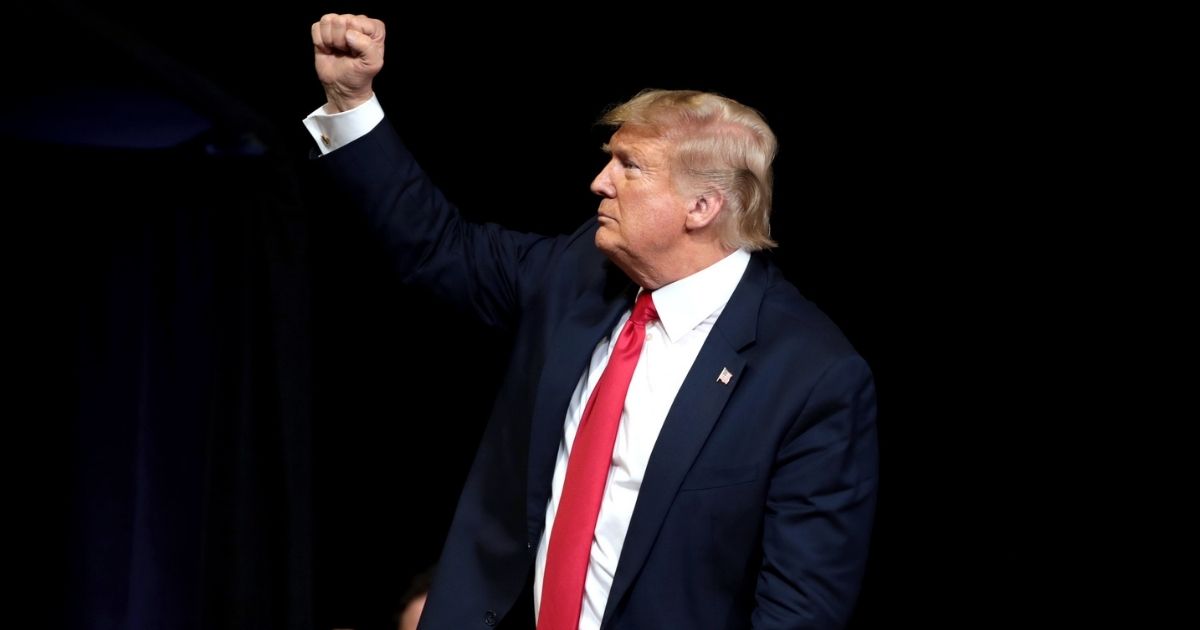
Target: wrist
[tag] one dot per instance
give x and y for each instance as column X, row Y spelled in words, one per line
column 344, row 101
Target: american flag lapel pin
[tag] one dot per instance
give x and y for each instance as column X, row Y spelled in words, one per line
column 725, row 376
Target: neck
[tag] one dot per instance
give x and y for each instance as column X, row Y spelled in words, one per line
column 651, row 275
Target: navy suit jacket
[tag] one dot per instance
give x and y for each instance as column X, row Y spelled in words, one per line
column 756, row 507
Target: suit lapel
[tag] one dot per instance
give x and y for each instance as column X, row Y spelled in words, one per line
column 589, row 319
column 696, row 409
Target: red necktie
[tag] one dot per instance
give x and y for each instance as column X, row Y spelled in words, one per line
column 587, row 472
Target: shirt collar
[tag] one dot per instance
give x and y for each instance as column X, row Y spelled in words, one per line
column 685, row 303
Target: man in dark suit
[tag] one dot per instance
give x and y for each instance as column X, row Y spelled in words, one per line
column 682, row 440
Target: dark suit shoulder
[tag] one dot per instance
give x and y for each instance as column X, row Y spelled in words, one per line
column 792, row 322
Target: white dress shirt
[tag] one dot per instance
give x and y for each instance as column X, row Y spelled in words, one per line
column 334, row 131
column 687, row 310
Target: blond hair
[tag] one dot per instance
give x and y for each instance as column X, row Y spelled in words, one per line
column 719, row 144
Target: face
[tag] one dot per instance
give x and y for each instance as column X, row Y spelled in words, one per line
column 642, row 215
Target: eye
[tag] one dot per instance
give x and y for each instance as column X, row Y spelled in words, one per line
column 629, row 165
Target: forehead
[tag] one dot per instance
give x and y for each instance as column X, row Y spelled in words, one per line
column 637, row 140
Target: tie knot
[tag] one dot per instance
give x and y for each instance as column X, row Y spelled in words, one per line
column 643, row 310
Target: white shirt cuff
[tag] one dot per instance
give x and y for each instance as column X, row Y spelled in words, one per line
column 334, row 131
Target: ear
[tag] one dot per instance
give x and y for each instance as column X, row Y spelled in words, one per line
column 704, row 209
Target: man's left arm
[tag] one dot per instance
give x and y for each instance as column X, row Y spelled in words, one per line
column 820, row 505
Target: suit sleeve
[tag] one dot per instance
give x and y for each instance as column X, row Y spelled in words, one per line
column 483, row 269
column 820, row 506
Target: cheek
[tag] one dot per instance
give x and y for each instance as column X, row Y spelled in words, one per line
column 663, row 220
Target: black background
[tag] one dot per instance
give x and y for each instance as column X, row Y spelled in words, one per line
column 880, row 133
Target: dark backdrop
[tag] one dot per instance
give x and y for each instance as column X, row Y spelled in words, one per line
column 243, row 422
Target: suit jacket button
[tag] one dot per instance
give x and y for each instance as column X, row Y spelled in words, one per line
column 490, row 618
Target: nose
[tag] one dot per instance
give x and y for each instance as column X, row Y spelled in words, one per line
column 603, row 184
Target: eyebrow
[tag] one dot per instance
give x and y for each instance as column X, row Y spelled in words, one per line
column 622, row 152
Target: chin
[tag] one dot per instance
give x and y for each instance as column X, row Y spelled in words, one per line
column 604, row 242
column 612, row 250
